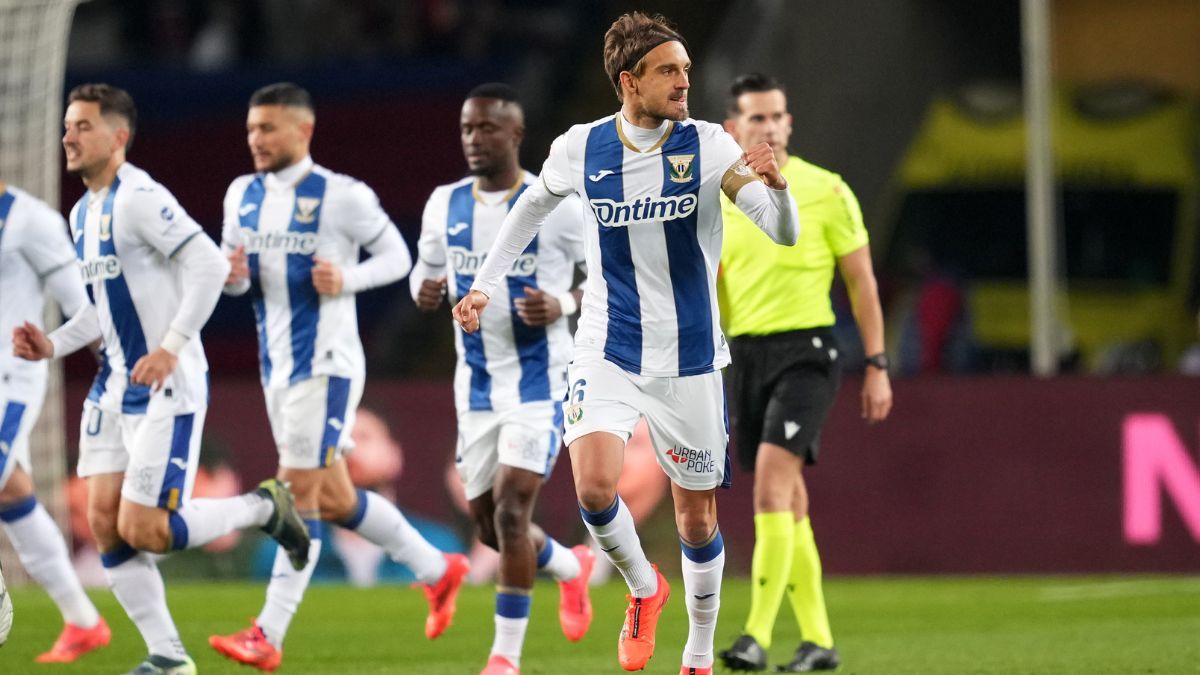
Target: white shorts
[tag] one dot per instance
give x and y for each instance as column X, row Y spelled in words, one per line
column 158, row 455
column 526, row 437
column 312, row 420
column 686, row 417
column 17, row 417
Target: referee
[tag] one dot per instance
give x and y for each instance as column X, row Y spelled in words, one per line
column 786, row 368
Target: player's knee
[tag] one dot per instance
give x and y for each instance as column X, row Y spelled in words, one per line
column 305, row 485
column 144, row 534
column 596, row 497
column 104, row 527
column 337, row 508
column 771, row 501
column 18, row 487
column 695, row 526
column 512, row 518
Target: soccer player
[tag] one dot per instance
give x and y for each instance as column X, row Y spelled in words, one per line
column 786, row 367
column 36, row 256
column 649, row 341
column 293, row 232
column 152, row 278
column 511, row 375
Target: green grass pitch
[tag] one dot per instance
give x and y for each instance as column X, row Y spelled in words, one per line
column 958, row 626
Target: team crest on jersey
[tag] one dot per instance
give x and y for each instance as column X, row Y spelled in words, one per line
column 574, row 413
column 681, row 168
column 306, row 209
column 105, row 227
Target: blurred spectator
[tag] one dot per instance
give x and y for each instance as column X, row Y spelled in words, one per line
column 936, row 336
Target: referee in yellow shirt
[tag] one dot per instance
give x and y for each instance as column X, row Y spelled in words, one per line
column 786, row 368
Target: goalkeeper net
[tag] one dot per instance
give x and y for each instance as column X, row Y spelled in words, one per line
column 33, row 49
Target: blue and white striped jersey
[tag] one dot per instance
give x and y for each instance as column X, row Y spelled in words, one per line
column 283, row 220
column 653, row 241
column 125, row 238
column 506, row 363
column 33, row 245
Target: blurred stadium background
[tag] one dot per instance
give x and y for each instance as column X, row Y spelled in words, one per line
column 1084, row 462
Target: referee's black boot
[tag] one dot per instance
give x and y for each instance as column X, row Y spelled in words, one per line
column 745, row 654
column 809, row 658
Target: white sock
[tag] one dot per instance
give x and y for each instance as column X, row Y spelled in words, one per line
column 512, row 618
column 40, row 545
column 139, row 588
column 702, row 570
column 380, row 522
column 614, row 531
column 200, row 521
column 286, row 589
column 558, row 561
column 603, row 569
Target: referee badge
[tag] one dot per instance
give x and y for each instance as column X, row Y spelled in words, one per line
column 681, row 168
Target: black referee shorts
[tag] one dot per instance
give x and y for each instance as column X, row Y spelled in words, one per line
column 781, row 387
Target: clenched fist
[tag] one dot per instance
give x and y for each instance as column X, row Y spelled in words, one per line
column 327, row 277
column 30, row 343
column 429, row 296
column 761, row 160
column 239, row 268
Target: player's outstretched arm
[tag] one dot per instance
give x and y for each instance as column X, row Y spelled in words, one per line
column 30, row 343
column 520, row 227
column 83, row 328
column 755, row 184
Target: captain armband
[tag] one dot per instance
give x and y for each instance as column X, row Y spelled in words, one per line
column 736, row 177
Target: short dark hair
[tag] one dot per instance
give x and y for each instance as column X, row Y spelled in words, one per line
column 112, row 100
column 630, row 38
column 282, row 93
column 750, row 83
column 496, row 90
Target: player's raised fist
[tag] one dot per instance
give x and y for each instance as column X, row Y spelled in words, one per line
column 30, row 343
column 467, row 311
column 239, row 268
column 761, row 160
column 327, row 277
column 429, row 296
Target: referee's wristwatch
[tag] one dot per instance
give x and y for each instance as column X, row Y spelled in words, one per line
column 879, row 361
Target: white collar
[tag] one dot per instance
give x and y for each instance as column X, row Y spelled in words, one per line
column 289, row 177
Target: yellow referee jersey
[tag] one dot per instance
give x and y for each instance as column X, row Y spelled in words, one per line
column 767, row 288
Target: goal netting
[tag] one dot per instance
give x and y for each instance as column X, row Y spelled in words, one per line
column 33, row 49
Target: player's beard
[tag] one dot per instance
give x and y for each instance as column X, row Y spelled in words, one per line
column 86, row 171
column 282, row 161
column 668, row 111
column 486, row 169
